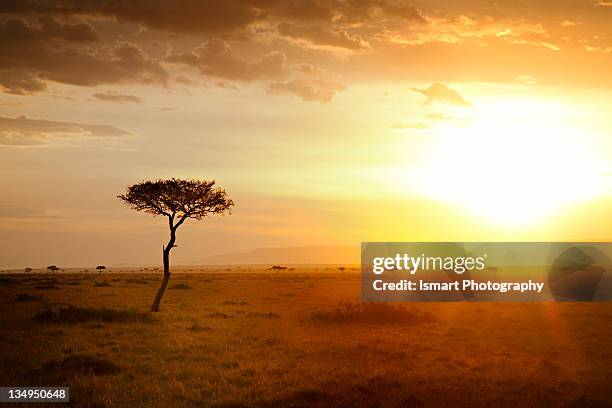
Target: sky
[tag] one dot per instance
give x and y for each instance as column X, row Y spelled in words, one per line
column 327, row 122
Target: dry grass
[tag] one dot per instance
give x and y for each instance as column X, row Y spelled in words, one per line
column 375, row 313
column 283, row 340
column 73, row 315
column 82, row 364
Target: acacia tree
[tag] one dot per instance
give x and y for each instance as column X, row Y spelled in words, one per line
column 53, row 269
column 100, row 268
column 177, row 200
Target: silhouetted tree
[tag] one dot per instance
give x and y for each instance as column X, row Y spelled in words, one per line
column 342, row 269
column 100, row 268
column 53, row 269
column 178, row 200
column 27, row 270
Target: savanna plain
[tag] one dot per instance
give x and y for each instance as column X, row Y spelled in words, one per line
column 247, row 337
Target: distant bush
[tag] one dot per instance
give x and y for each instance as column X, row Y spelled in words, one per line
column 235, row 303
column 80, row 315
column 196, row 328
column 83, row 364
column 183, row 286
column 222, row 315
column 138, row 281
column 47, row 287
column 25, row 297
column 265, row 315
column 102, row 284
column 381, row 313
column 6, row 281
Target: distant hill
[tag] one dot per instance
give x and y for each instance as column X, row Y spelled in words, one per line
column 314, row 254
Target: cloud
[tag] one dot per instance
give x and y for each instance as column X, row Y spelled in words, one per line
column 55, row 29
column 20, row 82
column 526, row 80
column 464, row 29
column 47, row 29
column 217, row 59
column 117, row 97
column 210, row 16
column 22, row 131
column 76, row 41
column 30, row 56
column 567, row 23
column 213, row 16
column 10, row 210
column 309, row 69
column 441, row 93
column 310, row 90
column 315, row 36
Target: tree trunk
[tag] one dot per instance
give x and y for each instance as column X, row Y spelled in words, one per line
column 166, row 259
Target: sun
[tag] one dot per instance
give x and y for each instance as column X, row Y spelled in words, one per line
column 511, row 164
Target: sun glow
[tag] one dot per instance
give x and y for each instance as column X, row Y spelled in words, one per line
column 512, row 164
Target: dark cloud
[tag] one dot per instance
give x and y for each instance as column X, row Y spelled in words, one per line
column 442, row 93
column 211, row 16
column 29, row 56
column 80, row 32
column 117, row 97
column 375, row 10
column 23, row 131
column 75, row 41
column 217, row 59
column 46, row 29
column 310, row 90
column 214, row 16
column 20, row 82
column 316, row 35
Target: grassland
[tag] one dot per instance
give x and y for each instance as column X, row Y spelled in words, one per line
column 293, row 339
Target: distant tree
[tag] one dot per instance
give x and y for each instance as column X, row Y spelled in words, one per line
column 177, row 200
column 342, row 269
column 53, row 269
column 100, row 268
column 277, row 268
column 27, row 270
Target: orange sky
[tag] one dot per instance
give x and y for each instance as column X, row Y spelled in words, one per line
column 328, row 122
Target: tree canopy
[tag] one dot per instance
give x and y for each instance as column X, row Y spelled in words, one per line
column 178, row 199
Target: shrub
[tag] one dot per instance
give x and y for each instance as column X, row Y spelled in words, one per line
column 265, row 315
column 196, row 328
column 235, row 303
column 80, row 315
column 382, row 313
column 183, row 286
column 47, row 287
column 137, row 281
column 25, row 297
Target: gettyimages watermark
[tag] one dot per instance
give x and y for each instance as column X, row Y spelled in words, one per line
column 486, row 271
